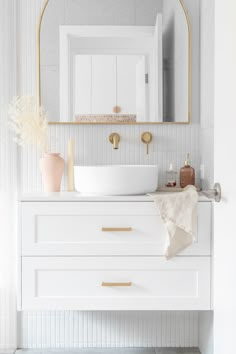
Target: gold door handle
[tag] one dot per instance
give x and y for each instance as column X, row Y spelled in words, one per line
column 116, row 284
column 116, row 229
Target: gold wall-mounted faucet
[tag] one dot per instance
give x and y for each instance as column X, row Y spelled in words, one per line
column 146, row 138
column 114, row 139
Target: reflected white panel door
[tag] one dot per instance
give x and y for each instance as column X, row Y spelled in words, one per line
column 103, row 84
column 181, row 108
column 225, row 172
column 141, row 89
column 82, row 85
column 158, row 65
column 126, row 83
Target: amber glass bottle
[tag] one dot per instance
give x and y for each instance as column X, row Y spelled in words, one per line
column 187, row 174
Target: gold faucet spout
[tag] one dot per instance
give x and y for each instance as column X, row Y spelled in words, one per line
column 114, row 139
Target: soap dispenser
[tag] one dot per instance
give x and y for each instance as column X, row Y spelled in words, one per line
column 187, row 174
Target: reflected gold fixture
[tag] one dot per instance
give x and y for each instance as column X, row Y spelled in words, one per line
column 116, row 109
column 114, row 139
column 146, row 138
column 125, row 123
column 39, row 53
column 116, row 284
column 116, row 229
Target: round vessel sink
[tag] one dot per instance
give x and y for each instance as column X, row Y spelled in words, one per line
column 116, row 179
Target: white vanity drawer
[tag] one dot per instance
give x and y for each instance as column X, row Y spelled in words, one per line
column 144, row 283
column 86, row 228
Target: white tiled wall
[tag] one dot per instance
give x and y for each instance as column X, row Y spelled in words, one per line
column 171, row 143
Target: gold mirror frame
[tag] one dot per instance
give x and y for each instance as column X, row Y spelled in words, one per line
column 118, row 123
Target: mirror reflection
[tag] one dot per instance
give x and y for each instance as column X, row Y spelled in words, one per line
column 109, row 61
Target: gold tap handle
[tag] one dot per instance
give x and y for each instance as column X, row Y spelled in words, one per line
column 116, row 284
column 146, row 138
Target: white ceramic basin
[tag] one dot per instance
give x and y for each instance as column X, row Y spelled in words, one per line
column 116, row 179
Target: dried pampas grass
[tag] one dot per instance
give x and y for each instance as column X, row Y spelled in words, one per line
column 29, row 122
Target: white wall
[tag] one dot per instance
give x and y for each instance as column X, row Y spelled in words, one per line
column 171, row 143
column 207, row 92
column 207, row 136
column 8, row 179
column 225, row 147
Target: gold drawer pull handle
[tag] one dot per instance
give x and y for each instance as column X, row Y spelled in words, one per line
column 116, row 284
column 115, row 229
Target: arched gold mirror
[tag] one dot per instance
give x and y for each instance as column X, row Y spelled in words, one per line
column 109, row 62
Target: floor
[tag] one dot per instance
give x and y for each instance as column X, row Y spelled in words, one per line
column 112, row 351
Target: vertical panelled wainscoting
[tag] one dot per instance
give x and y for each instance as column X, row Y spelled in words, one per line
column 92, row 147
column 8, row 179
column 74, row 329
column 171, row 142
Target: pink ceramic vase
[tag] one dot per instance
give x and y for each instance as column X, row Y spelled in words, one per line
column 52, row 168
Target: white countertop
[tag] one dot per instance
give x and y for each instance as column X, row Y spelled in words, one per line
column 77, row 197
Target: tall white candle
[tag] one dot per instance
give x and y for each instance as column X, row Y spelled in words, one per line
column 70, row 164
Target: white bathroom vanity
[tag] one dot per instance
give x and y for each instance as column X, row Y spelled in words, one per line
column 106, row 253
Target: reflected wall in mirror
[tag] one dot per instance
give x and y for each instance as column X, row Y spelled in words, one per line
column 105, row 61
